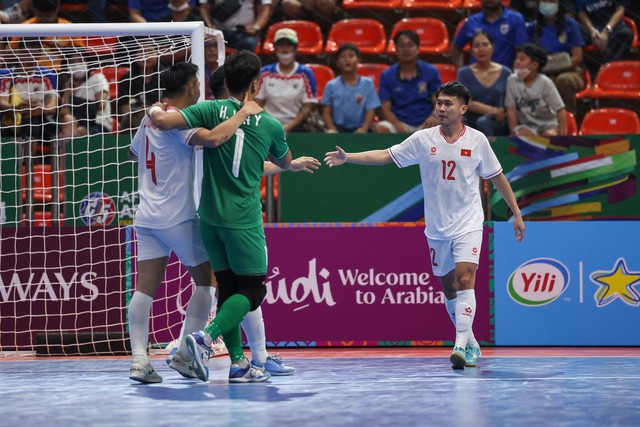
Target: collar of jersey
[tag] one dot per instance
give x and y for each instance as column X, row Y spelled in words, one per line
column 235, row 100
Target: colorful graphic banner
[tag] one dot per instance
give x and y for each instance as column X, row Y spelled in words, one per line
column 352, row 284
column 60, row 279
column 568, row 283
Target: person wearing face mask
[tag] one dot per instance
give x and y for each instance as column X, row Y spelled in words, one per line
column 534, row 106
column 181, row 11
column 560, row 36
column 288, row 90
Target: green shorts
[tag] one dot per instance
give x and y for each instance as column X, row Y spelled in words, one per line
column 244, row 251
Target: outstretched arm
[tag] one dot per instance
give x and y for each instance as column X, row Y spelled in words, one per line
column 304, row 163
column 504, row 188
column 225, row 130
column 368, row 158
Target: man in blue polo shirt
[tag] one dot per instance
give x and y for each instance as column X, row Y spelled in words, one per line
column 407, row 89
column 506, row 28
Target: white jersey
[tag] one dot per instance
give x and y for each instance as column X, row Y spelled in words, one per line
column 450, row 173
column 165, row 175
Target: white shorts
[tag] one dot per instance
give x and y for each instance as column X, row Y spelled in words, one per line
column 183, row 239
column 445, row 254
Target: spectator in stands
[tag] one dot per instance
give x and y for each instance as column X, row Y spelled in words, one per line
column 604, row 28
column 140, row 88
column 182, row 11
column 349, row 101
column 529, row 8
column 301, row 9
column 487, row 82
column 29, row 96
column 210, row 64
column 16, row 13
column 239, row 20
column 46, row 12
column 407, row 89
column 534, row 106
column 560, row 36
column 156, row 10
column 87, row 93
column 287, row 89
column 506, row 27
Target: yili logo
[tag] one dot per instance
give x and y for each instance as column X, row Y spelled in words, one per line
column 538, row 282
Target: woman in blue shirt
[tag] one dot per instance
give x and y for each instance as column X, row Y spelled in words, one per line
column 487, row 82
column 558, row 33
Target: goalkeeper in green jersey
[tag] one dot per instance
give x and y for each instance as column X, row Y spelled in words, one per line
column 230, row 210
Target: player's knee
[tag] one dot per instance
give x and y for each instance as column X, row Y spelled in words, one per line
column 253, row 288
column 227, row 285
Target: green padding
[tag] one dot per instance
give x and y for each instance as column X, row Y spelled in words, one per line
column 342, row 194
column 9, row 183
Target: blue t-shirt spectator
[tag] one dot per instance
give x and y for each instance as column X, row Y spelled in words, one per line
column 599, row 11
column 552, row 42
column 154, row 10
column 410, row 99
column 349, row 104
column 507, row 32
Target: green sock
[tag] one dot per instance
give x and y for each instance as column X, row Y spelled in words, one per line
column 233, row 341
column 229, row 316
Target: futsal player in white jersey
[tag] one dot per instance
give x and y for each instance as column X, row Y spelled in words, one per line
column 166, row 218
column 452, row 158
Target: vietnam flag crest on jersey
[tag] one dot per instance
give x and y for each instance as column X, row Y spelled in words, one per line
column 466, row 153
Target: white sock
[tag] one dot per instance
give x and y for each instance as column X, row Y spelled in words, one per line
column 197, row 314
column 465, row 312
column 253, row 327
column 450, row 304
column 139, row 313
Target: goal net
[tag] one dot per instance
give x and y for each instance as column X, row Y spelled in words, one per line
column 71, row 97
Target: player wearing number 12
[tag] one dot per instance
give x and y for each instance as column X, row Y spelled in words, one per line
column 452, row 159
column 230, row 211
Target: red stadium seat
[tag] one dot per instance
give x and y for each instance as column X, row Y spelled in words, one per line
column 618, row 79
column 372, row 71
column 310, row 41
column 42, row 184
column 323, row 74
column 572, row 124
column 367, row 34
column 100, row 45
column 584, row 93
column 431, row 4
column 434, row 37
column 610, row 121
column 371, row 4
column 448, row 72
column 632, row 24
column 113, row 75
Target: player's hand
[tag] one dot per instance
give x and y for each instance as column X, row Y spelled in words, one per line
column 304, row 163
column 518, row 227
column 162, row 105
column 336, row 158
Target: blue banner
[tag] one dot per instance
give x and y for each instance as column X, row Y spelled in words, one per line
column 568, row 283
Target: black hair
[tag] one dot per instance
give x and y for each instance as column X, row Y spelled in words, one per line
column 534, row 51
column 175, row 78
column 482, row 33
column 559, row 21
column 456, row 89
column 45, row 6
column 217, row 84
column 349, row 46
column 240, row 69
column 410, row 34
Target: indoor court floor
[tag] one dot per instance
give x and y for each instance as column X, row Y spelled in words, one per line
column 336, row 387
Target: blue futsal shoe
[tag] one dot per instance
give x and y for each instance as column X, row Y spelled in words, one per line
column 249, row 374
column 199, row 345
column 276, row 367
column 471, row 353
column 170, row 356
column 458, row 358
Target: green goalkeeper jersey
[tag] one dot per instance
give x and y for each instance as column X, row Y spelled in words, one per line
column 232, row 172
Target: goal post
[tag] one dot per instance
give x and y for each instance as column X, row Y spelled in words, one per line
column 67, row 188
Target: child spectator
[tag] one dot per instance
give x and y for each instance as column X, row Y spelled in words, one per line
column 534, row 106
column 349, row 101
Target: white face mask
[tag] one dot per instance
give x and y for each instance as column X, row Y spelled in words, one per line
column 547, row 9
column 522, row 73
column 79, row 71
column 183, row 6
column 286, row 58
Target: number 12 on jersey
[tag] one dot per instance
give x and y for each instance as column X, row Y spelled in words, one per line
column 447, row 170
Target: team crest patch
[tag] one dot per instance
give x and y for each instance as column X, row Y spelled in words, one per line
column 422, row 87
column 504, row 28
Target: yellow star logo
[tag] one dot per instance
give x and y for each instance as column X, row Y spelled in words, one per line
column 616, row 283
